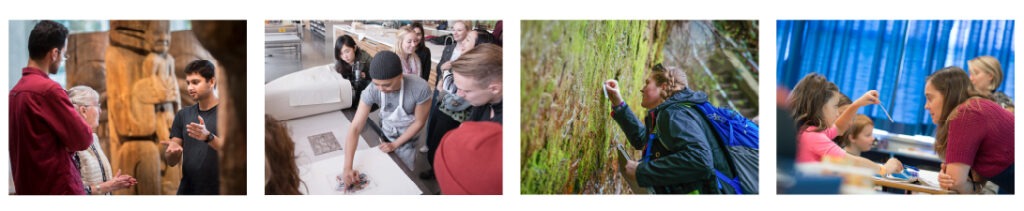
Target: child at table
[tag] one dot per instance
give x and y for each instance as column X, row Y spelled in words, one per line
column 814, row 102
column 859, row 138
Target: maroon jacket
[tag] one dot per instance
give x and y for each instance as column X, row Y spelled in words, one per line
column 45, row 133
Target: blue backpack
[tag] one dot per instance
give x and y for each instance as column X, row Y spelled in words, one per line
column 739, row 136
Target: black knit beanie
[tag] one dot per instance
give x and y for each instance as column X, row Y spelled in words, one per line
column 385, row 65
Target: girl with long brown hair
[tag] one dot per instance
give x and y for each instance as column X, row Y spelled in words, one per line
column 974, row 136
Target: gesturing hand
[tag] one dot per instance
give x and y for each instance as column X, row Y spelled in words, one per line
column 198, row 131
column 173, row 148
column 122, row 181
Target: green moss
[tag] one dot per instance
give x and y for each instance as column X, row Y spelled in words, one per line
column 567, row 135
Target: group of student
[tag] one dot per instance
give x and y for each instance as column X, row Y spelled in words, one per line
column 974, row 138
column 54, row 149
column 462, row 111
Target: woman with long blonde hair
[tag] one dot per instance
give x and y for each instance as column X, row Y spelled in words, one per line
column 406, row 50
column 986, row 76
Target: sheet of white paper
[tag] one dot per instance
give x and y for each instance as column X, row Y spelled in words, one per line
column 307, row 92
column 385, row 177
column 928, row 178
column 319, row 172
column 317, row 85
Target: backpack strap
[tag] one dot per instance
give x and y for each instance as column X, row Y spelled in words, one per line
column 734, row 181
column 651, row 135
column 647, row 150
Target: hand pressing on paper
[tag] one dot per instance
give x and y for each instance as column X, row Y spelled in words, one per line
column 198, row 131
column 611, row 88
column 351, row 177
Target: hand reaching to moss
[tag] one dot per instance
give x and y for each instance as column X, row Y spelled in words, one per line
column 611, row 88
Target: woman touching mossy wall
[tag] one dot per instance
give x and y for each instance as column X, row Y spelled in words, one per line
column 568, row 138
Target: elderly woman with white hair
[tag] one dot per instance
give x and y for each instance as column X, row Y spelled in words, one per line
column 93, row 164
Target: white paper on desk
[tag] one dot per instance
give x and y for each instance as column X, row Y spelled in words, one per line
column 928, row 178
column 307, row 92
column 331, row 122
column 319, row 172
column 386, row 177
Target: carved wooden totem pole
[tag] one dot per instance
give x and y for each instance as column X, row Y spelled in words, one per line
column 142, row 97
column 86, row 66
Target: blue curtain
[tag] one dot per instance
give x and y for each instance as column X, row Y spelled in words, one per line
column 891, row 56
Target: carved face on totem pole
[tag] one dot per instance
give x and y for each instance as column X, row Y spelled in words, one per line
column 158, row 36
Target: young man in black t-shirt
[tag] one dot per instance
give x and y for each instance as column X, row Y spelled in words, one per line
column 194, row 134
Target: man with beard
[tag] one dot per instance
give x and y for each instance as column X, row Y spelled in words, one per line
column 45, row 131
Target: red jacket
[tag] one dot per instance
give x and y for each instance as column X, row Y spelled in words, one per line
column 45, row 132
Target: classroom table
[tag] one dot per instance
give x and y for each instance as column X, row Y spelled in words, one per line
column 927, row 183
column 921, row 161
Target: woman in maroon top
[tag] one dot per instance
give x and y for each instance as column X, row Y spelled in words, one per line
column 975, row 135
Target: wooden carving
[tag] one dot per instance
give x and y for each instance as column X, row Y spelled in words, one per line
column 86, row 66
column 142, row 99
